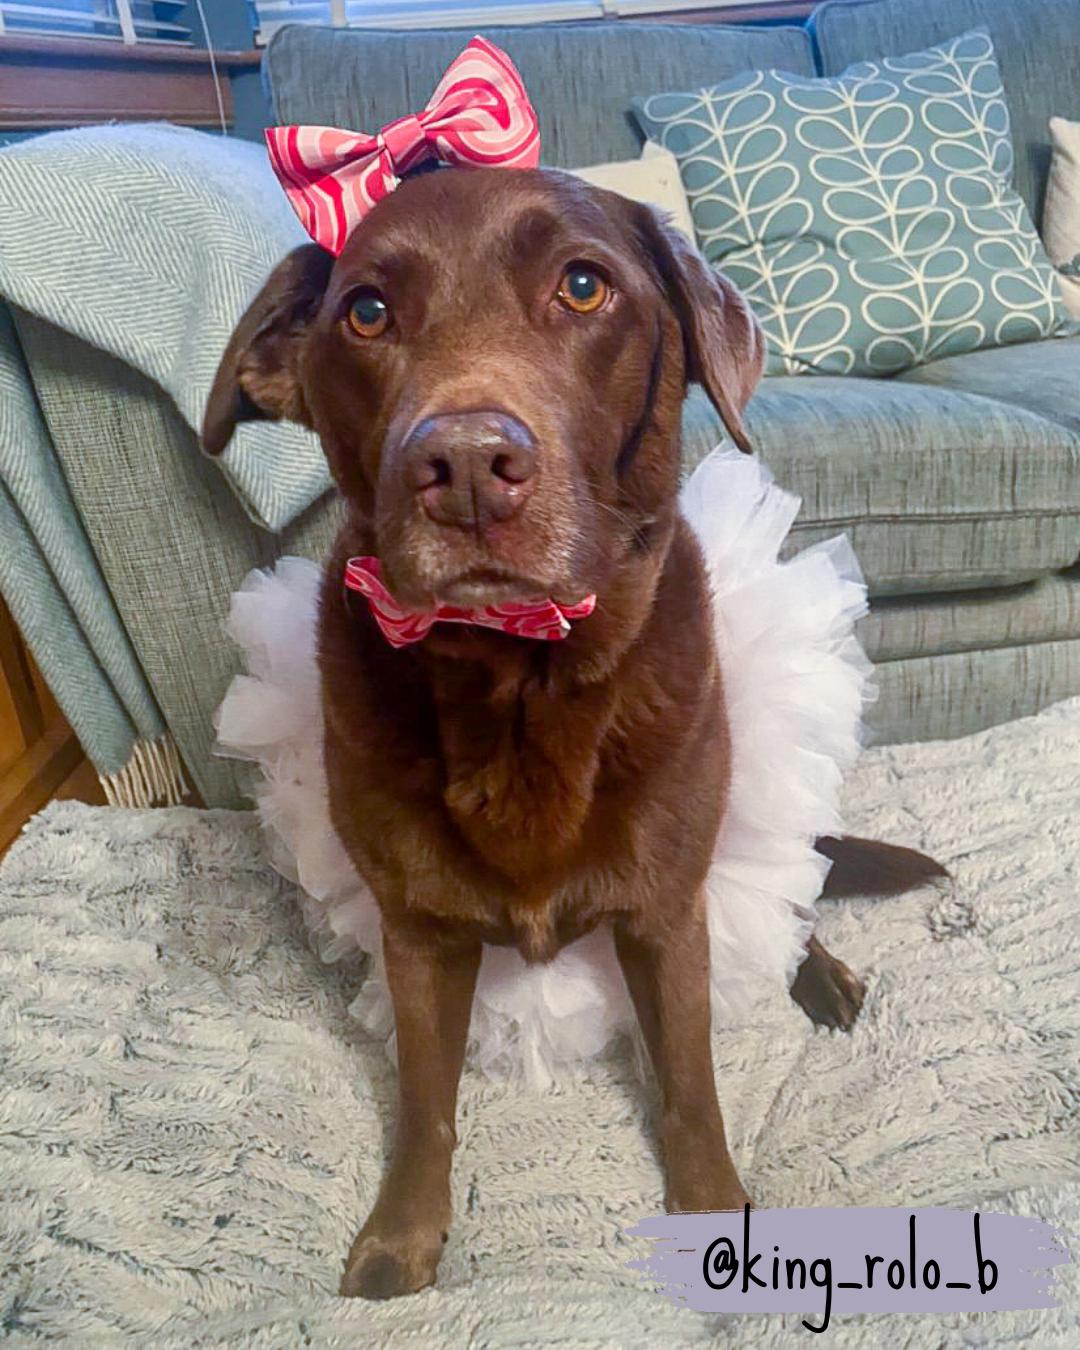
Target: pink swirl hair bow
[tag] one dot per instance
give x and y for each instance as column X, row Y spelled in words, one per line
column 479, row 116
column 542, row 619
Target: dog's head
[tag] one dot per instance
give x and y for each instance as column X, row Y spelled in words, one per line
column 495, row 366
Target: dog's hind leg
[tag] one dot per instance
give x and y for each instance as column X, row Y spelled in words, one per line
column 828, row 992
column 825, row 989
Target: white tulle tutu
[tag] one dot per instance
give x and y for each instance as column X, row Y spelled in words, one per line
column 796, row 681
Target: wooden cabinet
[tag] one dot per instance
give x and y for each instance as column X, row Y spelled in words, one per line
column 40, row 756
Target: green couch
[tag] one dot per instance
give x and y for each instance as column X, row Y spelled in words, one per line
column 959, row 482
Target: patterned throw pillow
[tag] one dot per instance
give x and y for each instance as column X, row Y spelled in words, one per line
column 869, row 218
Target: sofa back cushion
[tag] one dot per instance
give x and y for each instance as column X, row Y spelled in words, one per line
column 581, row 77
column 1036, row 44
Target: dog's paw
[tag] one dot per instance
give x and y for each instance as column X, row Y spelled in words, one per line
column 699, row 1174
column 828, row 992
column 387, row 1267
column 707, row 1199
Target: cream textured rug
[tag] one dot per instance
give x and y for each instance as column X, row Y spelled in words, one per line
column 191, row 1128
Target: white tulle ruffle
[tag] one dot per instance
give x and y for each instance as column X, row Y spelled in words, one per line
column 795, row 682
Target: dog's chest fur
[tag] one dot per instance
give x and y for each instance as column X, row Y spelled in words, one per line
column 492, row 795
column 533, row 787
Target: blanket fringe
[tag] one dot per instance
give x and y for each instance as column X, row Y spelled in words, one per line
column 153, row 776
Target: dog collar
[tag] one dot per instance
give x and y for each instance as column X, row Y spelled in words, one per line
column 545, row 620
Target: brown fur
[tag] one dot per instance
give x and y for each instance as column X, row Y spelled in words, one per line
column 492, row 789
column 868, row 867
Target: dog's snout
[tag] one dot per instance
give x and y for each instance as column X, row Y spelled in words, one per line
column 471, row 469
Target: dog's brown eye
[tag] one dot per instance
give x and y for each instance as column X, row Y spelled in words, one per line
column 582, row 289
column 369, row 314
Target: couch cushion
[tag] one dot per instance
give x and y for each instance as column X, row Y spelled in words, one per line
column 929, row 698
column 902, row 626
column 1043, row 377
column 938, row 489
column 1036, row 43
column 581, row 76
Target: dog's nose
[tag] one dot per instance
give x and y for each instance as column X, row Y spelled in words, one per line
column 471, row 469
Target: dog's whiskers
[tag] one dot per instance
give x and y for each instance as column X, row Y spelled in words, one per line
column 637, row 531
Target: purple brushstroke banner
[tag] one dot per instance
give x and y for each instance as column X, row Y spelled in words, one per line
column 822, row 1262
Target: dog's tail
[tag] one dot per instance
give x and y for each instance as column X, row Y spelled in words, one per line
column 866, row 867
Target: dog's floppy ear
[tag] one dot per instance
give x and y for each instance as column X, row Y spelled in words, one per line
column 725, row 347
column 258, row 377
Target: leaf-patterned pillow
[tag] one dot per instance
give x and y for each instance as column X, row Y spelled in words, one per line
column 870, row 218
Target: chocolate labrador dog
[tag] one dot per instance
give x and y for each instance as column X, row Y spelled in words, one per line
column 495, row 366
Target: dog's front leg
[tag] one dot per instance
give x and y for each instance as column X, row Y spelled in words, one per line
column 431, row 980
column 667, row 972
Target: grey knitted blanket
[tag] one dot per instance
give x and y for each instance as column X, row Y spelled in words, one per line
column 192, row 1127
column 146, row 242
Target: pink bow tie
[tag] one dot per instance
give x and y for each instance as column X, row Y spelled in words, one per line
column 479, row 115
column 542, row 619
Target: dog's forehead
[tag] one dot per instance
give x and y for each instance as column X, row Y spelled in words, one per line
column 489, row 211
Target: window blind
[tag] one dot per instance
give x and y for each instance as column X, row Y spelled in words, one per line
column 125, row 21
column 272, row 14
